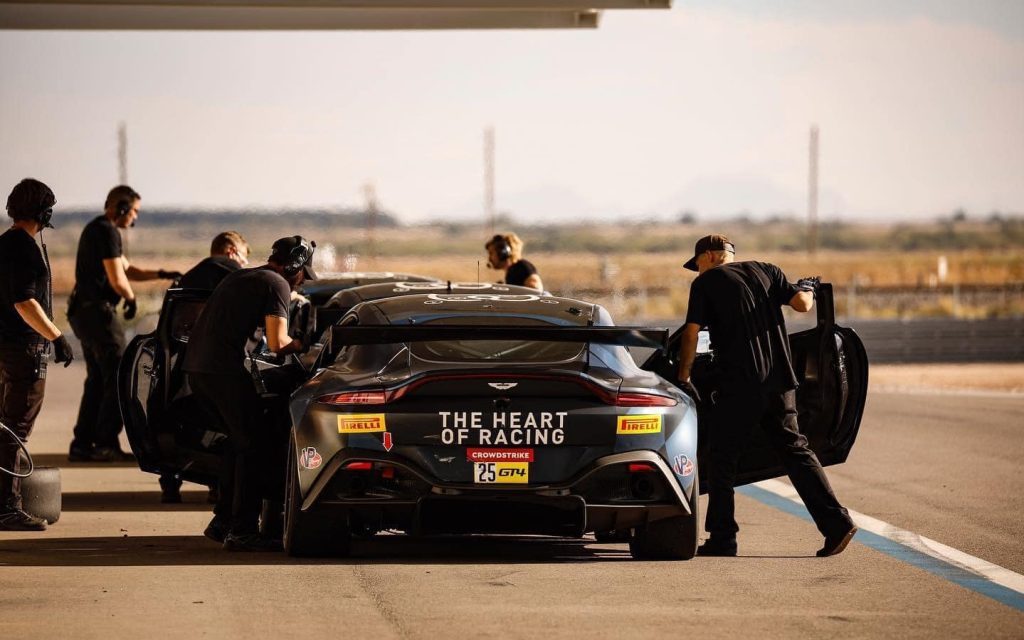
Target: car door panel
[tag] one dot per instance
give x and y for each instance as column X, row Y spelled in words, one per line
column 832, row 369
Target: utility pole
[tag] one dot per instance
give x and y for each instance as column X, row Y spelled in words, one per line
column 812, row 194
column 122, row 153
column 489, row 212
column 372, row 208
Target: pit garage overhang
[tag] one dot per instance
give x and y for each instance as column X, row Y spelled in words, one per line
column 285, row 15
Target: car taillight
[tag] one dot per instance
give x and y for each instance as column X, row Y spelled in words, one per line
column 358, row 466
column 641, row 467
column 356, row 397
column 644, row 400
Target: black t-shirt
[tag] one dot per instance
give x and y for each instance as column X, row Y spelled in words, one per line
column 208, row 273
column 519, row 272
column 741, row 305
column 23, row 277
column 100, row 241
column 232, row 313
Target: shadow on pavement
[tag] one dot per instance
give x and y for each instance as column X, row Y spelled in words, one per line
column 131, row 501
column 132, row 551
column 61, row 460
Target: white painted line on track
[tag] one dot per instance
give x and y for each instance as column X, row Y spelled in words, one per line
column 991, row 572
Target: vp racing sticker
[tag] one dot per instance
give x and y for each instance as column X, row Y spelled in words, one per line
column 638, row 425
column 361, row 423
column 682, row 465
column 309, row 458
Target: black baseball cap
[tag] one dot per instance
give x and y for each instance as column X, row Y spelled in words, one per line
column 284, row 252
column 713, row 242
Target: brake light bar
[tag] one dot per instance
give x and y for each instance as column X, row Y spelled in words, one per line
column 644, row 400
column 356, row 397
column 641, row 467
column 358, row 466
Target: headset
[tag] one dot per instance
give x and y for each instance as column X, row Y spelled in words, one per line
column 124, row 207
column 502, row 249
column 298, row 257
column 43, row 218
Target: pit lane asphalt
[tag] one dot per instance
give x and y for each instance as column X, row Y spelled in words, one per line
column 120, row 565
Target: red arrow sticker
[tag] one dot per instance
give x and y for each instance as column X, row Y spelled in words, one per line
column 387, row 441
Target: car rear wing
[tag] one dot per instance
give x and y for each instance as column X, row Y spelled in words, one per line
column 395, row 334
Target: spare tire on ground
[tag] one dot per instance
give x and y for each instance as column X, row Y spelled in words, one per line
column 40, row 494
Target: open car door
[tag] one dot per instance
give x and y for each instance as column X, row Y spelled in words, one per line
column 167, row 429
column 832, row 368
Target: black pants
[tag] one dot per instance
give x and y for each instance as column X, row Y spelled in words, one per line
column 21, row 398
column 253, row 464
column 102, row 336
column 733, row 415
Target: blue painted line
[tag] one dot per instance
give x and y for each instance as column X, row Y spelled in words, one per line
column 901, row 552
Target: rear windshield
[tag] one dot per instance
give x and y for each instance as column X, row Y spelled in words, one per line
column 495, row 350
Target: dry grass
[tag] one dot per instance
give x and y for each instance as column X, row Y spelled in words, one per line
column 1006, row 377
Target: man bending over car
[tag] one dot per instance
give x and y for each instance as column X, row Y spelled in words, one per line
column 219, row 376
column 741, row 304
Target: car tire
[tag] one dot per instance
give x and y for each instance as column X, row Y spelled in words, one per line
column 673, row 538
column 40, row 494
column 310, row 534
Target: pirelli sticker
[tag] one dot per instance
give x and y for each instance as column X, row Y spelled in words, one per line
column 501, row 472
column 638, row 425
column 361, row 423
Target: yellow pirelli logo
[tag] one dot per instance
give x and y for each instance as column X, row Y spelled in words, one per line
column 638, row 425
column 361, row 423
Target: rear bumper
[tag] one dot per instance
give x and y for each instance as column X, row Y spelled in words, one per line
column 599, row 498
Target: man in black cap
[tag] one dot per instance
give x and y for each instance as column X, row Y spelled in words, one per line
column 741, row 304
column 102, row 275
column 26, row 329
column 218, row 375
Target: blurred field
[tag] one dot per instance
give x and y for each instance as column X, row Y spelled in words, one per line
column 635, row 269
column 1005, row 377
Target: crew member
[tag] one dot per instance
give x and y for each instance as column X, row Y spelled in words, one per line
column 26, row 327
column 505, row 252
column 229, row 252
column 741, row 304
column 217, row 373
column 102, row 275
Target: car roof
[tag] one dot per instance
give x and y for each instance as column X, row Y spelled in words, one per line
column 433, row 306
column 348, row 298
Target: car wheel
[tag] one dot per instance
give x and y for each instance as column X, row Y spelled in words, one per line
column 669, row 539
column 40, row 493
column 310, row 534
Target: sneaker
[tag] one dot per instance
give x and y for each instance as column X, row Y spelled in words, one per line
column 725, row 547
column 79, row 452
column 217, row 530
column 111, row 454
column 251, row 542
column 834, row 545
column 18, row 520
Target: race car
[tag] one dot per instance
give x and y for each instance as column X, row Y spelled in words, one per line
column 489, row 413
column 319, row 291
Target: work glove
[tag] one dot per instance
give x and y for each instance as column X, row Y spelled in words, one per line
column 62, row 351
column 130, row 307
column 169, row 275
column 809, row 284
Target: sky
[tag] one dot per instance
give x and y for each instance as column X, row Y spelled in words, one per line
column 705, row 107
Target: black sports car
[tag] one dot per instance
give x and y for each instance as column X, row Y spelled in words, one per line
column 319, row 291
column 483, row 413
